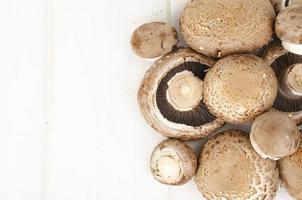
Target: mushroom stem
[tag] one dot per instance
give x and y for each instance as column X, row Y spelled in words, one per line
column 168, row 168
column 291, row 80
column 184, row 91
column 292, row 47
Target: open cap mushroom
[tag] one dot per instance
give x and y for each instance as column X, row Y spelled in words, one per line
column 218, row 28
column 290, row 169
column 171, row 96
column 239, row 87
column 288, row 27
column 274, row 135
column 173, row 162
column 288, row 70
column 229, row 168
column 153, row 39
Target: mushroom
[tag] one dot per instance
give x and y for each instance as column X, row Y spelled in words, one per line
column 274, row 135
column 173, row 162
column 229, row 168
column 171, row 96
column 287, row 67
column 153, row 39
column 291, row 173
column 288, row 27
column 282, row 4
column 239, row 87
column 218, row 28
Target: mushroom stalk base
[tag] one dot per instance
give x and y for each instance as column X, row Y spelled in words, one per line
column 291, row 47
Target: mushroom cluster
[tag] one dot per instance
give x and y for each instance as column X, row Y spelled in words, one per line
column 242, row 65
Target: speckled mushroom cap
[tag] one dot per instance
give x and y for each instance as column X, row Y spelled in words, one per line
column 153, row 39
column 159, row 114
column 274, row 135
column 229, row 168
column 288, row 28
column 281, row 60
column 218, row 28
column 291, row 173
column 173, row 162
column 239, row 87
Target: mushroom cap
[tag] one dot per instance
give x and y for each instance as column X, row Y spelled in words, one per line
column 291, row 173
column 218, row 28
column 173, row 162
column 239, row 87
column 280, row 60
column 274, row 135
column 153, row 39
column 229, row 168
column 148, row 102
column 288, row 25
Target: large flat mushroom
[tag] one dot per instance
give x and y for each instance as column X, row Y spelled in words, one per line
column 171, row 96
column 291, row 173
column 239, row 87
column 229, row 168
column 287, row 68
column 219, row 28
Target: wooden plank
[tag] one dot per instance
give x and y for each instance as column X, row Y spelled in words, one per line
column 100, row 145
column 21, row 86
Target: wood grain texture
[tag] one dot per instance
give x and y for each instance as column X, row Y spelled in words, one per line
column 69, row 121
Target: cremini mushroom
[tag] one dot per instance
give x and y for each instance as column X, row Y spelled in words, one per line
column 218, row 28
column 153, row 39
column 288, row 27
column 291, row 173
column 274, row 135
column 173, row 162
column 229, row 168
column 239, row 87
column 287, row 67
column 171, row 96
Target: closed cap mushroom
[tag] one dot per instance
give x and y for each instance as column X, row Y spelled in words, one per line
column 274, row 135
column 171, row 96
column 229, row 168
column 173, row 162
column 239, row 87
column 153, row 39
column 288, row 27
column 287, row 67
column 218, row 28
column 290, row 169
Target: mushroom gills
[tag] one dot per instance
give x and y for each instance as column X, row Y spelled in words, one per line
column 198, row 114
column 288, row 69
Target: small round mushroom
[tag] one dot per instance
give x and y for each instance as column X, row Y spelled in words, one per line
column 153, row 39
column 274, row 135
column 229, row 168
column 288, row 27
column 171, row 96
column 287, row 67
column 219, row 28
column 173, row 162
column 239, row 87
column 290, row 169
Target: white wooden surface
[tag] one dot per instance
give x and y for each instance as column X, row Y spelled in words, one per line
column 70, row 126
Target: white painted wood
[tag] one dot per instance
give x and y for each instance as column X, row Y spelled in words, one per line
column 21, row 107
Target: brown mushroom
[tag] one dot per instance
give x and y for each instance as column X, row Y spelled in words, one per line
column 239, row 87
column 287, row 67
column 171, row 93
column 229, row 168
column 274, row 135
column 291, row 173
column 153, row 39
column 173, row 162
column 218, row 28
column 288, row 27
